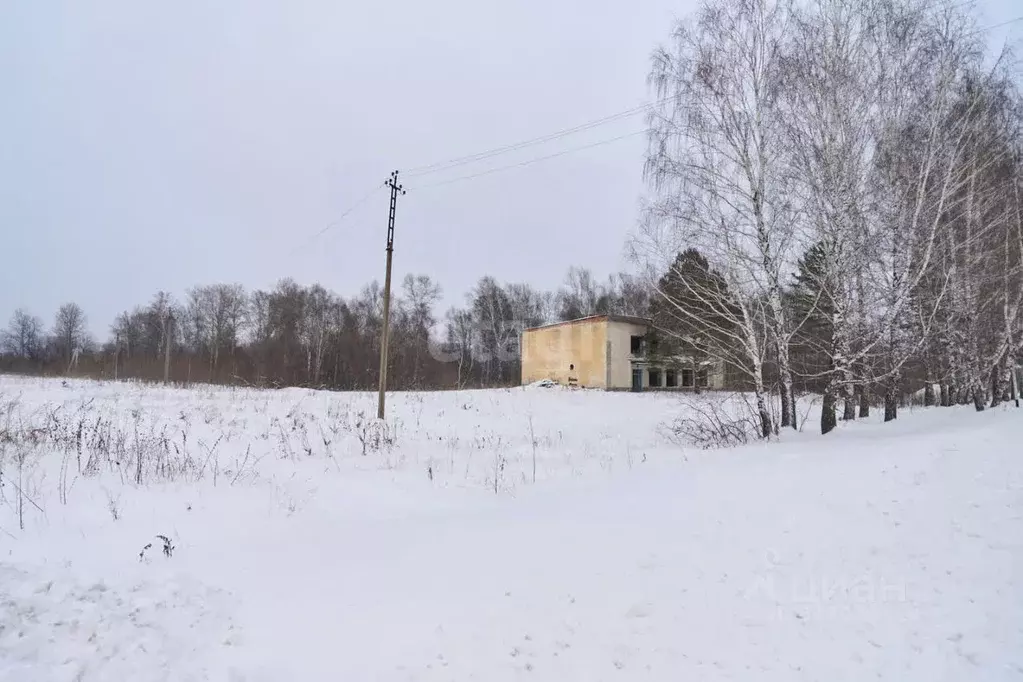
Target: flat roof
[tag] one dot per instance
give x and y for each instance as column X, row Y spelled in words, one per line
column 631, row 319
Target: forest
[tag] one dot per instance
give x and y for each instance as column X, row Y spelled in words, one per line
column 849, row 172
column 296, row 335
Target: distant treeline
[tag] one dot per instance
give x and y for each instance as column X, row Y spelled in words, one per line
column 296, row 335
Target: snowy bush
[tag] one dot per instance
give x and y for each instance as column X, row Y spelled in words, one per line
column 715, row 421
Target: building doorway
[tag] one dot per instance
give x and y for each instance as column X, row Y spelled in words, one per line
column 637, row 379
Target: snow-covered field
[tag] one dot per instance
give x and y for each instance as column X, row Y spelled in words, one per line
column 538, row 534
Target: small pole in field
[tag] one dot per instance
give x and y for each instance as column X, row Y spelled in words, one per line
column 167, row 340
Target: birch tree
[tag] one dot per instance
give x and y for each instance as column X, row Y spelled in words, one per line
column 859, row 76
column 419, row 296
column 215, row 316
column 24, row 335
column 983, row 246
column 69, row 332
column 717, row 164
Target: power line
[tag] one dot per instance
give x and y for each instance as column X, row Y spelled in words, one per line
column 455, row 162
column 529, row 162
column 339, row 220
column 420, row 171
column 550, row 137
column 1004, row 23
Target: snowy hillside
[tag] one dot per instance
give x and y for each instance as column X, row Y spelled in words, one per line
column 878, row 552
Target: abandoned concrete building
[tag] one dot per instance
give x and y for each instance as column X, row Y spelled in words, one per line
column 613, row 352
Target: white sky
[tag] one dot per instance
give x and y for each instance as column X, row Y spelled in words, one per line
column 158, row 146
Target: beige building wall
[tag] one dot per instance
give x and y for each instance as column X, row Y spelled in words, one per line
column 573, row 353
column 619, row 336
column 592, row 353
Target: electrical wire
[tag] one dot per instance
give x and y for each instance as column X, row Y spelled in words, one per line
column 550, row 137
column 529, row 162
column 339, row 220
column 429, row 169
column 455, row 162
column 993, row 26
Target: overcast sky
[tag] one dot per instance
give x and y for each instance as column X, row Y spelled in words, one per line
column 148, row 146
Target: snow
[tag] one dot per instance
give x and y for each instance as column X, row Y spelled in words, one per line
column 878, row 552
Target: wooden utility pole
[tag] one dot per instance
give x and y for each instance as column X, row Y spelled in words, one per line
column 396, row 189
column 168, row 339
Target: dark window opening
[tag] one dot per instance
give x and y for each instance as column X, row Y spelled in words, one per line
column 701, row 377
column 687, row 378
column 653, row 345
column 670, row 378
column 636, row 345
column 655, row 378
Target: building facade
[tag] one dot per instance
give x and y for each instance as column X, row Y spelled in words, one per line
column 613, row 352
